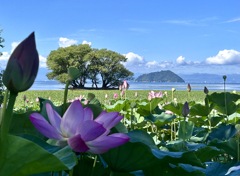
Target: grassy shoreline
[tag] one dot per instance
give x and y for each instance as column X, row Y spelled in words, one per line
column 57, row 95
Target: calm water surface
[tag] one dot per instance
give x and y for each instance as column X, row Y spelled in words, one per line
column 54, row 85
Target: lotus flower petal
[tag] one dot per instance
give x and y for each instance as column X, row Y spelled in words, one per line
column 109, row 119
column 42, row 125
column 91, row 130
column 72, row 118
column 88, row 114
column 77, row 144
column 104, row 143
column 54, row 117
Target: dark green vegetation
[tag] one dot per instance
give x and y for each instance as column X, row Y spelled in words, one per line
column 162, row 76
column 102, row 65
column 198, row 138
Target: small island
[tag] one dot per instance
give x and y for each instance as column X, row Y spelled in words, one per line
column 161, row 76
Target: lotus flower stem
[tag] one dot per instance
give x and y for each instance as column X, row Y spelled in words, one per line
column 4, row 105
column 65, row 96
column 7, row 114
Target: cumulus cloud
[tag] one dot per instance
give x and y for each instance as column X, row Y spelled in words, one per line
column 133, row 59
column 65, row 42
column 228, row 57
column 86, row 42
column 152, row 64
column 181, row 60
column 42, row 61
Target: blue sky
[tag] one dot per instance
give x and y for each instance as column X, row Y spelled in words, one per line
column 185, row 36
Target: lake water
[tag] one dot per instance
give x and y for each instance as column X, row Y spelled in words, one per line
column 54, row 85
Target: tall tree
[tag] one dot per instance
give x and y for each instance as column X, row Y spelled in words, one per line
column 61, row 59
column 107, row 64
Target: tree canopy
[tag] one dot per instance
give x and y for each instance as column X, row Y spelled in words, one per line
column 99, row 66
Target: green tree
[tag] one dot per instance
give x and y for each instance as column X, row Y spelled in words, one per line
column 107, row 64
column 61, row 59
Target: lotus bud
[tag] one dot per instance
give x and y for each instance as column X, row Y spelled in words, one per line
column 136, row 94
column 205, row 90
column 189, row 88
column 173, row 89
column 125, row 85
column 224, row 77
column 22, row 66
column 185, row 110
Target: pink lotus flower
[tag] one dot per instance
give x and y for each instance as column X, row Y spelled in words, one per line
column 115, row 96
column 79, row 129
column 153, row 94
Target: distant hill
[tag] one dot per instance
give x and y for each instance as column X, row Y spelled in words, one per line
column 162, row 76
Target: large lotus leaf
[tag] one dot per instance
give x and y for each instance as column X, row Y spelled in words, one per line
column 160, row 119
column 199, row 110
column 216, row 119
column 230, row 146
column 177, row 146
column 129, row 157
column 86, row 166
column 132, row 156
column 207, row 153
column 225, row 102
column 222, row 132
column 229, row 109
column 220, row 169
column 188, row 157
column 19, row 156
column 185, row 130
column 172, row 170
column 118, row 106
column 175, row 108
column 146, row 107
column 224, row 97
column 21, row 124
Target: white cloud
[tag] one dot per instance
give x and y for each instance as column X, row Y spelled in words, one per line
column 86, row 42
column 133, row 59
column 42, row 61
column 65, row 42
column 152, row 64
column 181, row 60
column 228, row 57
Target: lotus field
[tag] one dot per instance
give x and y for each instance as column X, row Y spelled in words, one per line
column 117, row 133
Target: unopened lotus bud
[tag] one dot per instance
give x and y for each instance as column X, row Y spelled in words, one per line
column 205, row 90
column 189, row 88
column 173, row 89
column 22, row 66
column 185, row 110
column 125, row 85
column 224, row 77
column 136, row 94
